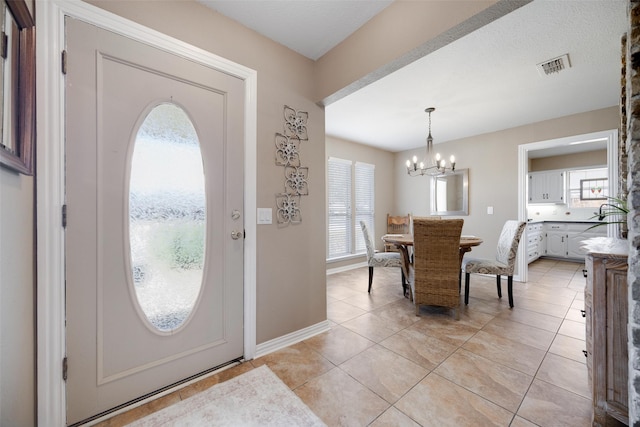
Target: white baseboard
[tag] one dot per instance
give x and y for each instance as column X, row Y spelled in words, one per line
column 292, row 338
column 346, row 268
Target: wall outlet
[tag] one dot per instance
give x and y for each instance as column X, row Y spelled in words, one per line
column 489, row 210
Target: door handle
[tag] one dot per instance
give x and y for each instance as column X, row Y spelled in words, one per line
column 235, row 234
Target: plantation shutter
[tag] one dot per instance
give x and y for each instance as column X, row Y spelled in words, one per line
column 339, row 200
column 365, row 180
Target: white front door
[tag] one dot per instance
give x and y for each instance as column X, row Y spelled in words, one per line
column 154, row 235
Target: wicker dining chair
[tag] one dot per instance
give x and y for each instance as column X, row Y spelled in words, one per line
column 503, row 265
column 411, row 218
column 434, row 277
column 379, row 259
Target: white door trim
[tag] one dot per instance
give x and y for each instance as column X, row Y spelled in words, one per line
column 523, row 156
column 50, row 184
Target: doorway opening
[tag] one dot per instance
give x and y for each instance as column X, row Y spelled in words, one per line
column 572, row 144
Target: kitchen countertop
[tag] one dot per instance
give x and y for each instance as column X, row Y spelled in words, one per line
column 574, row 221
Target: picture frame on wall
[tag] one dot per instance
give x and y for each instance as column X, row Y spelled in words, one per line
column 594, row 189
column 17, row 87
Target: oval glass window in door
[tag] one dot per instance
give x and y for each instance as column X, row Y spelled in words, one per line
column 167, row 217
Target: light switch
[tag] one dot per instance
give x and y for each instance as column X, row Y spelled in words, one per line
column 264, row 216
column 489, row 210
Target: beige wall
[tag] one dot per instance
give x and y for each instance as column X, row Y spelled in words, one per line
column 569, row 161
column 384, row 188
column 17, row 300
column 492, row 160
column 290, row 260
column 421, row 21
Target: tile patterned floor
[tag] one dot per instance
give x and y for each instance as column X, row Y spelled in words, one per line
column 380, row 365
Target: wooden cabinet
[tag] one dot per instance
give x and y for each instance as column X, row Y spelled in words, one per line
column 606, row 334
column 546, row 187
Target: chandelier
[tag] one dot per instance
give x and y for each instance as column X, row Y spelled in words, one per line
column 435, row 165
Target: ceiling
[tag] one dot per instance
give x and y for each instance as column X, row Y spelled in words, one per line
column 483, row 82
column 309, row 27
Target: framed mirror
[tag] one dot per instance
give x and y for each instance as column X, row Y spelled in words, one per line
column 450, row 193
column 17, row 87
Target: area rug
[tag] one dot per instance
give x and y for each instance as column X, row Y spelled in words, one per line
column 255, row 398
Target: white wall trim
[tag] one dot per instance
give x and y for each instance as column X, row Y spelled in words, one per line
column 346, row 268
column 611, row 136
column 50, row 42
column 50, row 197
column 291, row 338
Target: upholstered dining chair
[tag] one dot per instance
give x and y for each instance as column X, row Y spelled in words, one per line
column 504, row 263
column 434, row 275
column 397, row 225
column 379, row 259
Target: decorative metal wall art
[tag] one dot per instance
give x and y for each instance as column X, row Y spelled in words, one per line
column 295, row 123
column 296, row 180
column 287, row 150
column 296, row 177
column 288, row 209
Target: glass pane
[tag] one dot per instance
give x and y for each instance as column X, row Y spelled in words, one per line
column 9, row 80
column 576, row 176
column 3, row 64
column 167, row 217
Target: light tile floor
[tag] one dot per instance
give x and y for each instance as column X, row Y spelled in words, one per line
column 381, row 365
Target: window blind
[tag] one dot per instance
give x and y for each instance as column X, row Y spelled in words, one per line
column 365, row 202
column 339, row 201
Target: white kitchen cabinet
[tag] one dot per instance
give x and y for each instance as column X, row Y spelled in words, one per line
column 556, row 244
column 546, row 187
column 563, row 239
column 575, row 239
column 573, row 245
column 535, row 241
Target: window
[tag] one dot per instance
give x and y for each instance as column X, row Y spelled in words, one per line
column 364, row 202
column 17, row 86
column 346, row 182
column 595, row 179
column 339, row 190
column 167, row 217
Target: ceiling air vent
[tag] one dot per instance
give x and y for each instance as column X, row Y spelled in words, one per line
column 554, row 65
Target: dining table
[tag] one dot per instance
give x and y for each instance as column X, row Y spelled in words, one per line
column 404, row 241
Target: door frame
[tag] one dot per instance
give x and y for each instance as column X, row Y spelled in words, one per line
column 50, row 296
column 611, row 136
